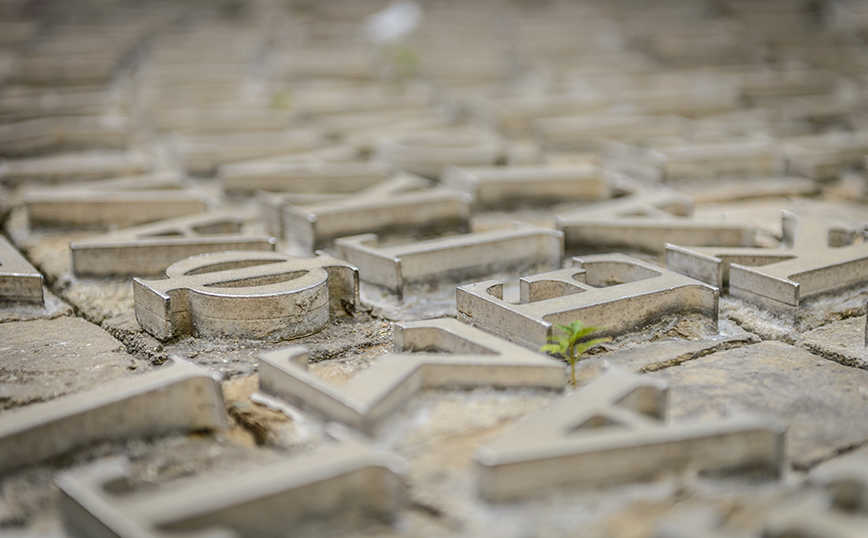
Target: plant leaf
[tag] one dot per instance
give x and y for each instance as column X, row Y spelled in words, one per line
column 563, row 341
column 565, row 328
column 584, row 346
column 551, row 348
column 585, row 331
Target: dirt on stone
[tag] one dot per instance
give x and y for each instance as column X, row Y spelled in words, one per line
column 44, row 359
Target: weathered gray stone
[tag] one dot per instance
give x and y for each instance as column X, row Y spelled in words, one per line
column 363, row 124
column 658, row 355
column 691, row 101
column 359, row 98
column 327, row 62
column 44, row 359
column 845, row 479
column 156, row 181
column 230, row 67
column 795, row 80
column 16, row 32
column 841, row 341
column 821, row 402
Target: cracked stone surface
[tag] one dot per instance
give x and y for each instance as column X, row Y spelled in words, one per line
column 821, row 402
column 841, row 341
column 44, row 359
column 181, row 87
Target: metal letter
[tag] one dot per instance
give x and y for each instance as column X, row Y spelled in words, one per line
column 476, row 359
column 266, row 501
column 507, row 186
column 124, row 201
column 94, row 208
column 823, row 157
column 19, row 281
column 266, row 295
column 462, row 257
column 404, row 202
column 69, row 167
column 647, row 220
column 614, row 430
column 203, row 154
column 151, row 248
column 55, row 133
column 177, row 397
column 780, row 280
column 613, row 290
column 697, row 161
column 426, row 153
column 318, row 177
column 571, row 131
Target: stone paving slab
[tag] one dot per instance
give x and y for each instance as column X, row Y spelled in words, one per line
column 659, row 354
column 841, row 341
column 43, row 359
column 252, row 93
column 823, row 403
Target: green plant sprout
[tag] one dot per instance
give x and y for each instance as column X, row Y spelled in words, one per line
column 281, row 100
column 405, row 62
column 569, row 346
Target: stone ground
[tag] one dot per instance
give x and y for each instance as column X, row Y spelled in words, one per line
column 283, row 59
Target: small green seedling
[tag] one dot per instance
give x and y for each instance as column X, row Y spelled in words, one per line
column 569, row 346
column 281, row 100
column 405, row 61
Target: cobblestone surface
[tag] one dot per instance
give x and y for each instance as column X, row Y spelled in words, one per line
column 678, row 94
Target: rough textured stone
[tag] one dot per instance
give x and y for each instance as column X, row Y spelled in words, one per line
column 659, row 354
column 841, row 341
column 360, row 338
column 744, row 73
column 44, row 359
column 822, row 402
